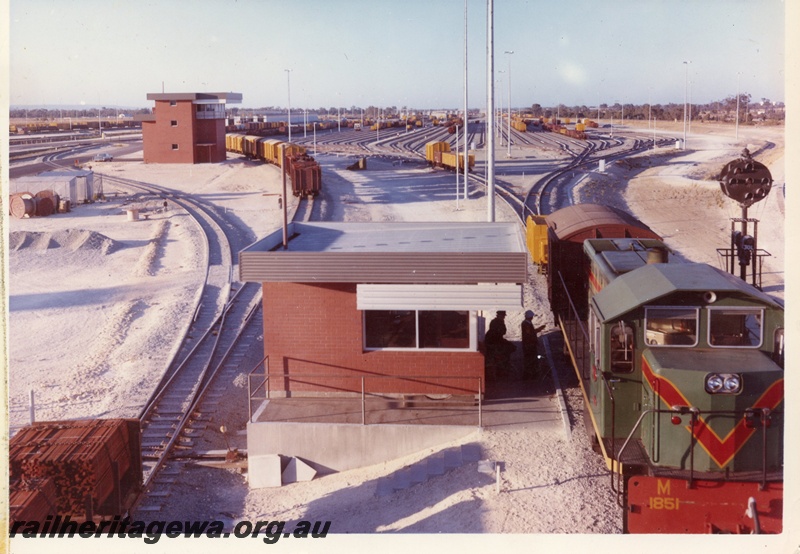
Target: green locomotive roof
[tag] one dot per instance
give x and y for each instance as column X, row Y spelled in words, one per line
column 649, row 283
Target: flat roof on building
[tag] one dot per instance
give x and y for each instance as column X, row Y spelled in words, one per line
column 229, row 97
column 403, row 252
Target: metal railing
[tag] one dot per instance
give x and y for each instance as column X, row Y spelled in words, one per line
column 577, row 338
column 258, row 384
column 763, row 414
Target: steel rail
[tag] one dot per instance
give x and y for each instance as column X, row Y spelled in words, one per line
column 197, row 369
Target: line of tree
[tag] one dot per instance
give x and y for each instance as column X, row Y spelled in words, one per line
column 721, row 110
column 48, row 114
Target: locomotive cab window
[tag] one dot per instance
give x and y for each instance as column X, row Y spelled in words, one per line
column 621, row 347
column 671, row 326
column 594, row 337
column 417, row 330
column 735, row 327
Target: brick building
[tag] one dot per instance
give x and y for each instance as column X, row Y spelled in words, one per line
column 395, row 308
column 186, row 127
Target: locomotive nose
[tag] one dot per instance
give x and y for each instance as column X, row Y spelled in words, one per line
column 713, row 402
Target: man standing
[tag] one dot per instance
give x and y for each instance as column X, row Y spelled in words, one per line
column 530, row 346
column 498, row 348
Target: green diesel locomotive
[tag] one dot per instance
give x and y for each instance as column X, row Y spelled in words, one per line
column 681, row 368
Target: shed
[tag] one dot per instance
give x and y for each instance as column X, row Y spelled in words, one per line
column 77, row 186
column 393, row 307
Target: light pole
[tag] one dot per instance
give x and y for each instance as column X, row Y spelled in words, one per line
column 737, row 105
column 685, row 100
column 466, row 110
column 490, row 110
column 508, row 152
column 654, row 134
column 289, row 93
column 457, row 164
column 689, row 109
column 499, row 114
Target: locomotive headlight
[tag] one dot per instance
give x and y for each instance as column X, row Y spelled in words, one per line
column 714, row 383
column 725, row 383
column 732, row 384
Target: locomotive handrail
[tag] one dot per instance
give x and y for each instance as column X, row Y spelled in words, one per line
column 584, row 376
column 619, row 488
column 694, row 412
column 610, row 393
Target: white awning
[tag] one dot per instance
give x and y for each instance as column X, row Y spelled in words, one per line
column 501, row 296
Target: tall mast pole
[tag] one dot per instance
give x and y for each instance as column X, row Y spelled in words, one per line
column 466, row 111
column 490, row 110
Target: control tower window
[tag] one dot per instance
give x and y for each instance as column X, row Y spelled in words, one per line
column 210, row 111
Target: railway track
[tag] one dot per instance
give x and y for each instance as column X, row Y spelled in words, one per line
column 221, row 331
column 547, row 194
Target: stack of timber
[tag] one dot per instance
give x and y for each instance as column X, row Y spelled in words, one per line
column 95, row 465
column 32, row 500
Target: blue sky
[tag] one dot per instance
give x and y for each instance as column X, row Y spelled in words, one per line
column 394, row 53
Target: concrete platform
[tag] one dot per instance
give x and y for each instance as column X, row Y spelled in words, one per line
column 508, row 404
column 328, row 433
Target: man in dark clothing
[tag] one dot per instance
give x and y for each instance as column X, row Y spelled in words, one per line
column 530, row 346
column 498, row 349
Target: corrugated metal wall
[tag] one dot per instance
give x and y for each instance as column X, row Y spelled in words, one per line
column 383, row 267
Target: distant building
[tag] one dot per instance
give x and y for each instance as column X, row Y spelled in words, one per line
column 187, row 127
column 75, row 185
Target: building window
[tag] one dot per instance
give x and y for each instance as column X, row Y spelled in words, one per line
column 210, row 111
column 174, row 146
column 173, row 102
column 416, row 330
column 174, row 123
column 734, row 327
column 673, row 326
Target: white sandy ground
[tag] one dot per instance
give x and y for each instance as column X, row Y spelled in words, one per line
column 97, row 304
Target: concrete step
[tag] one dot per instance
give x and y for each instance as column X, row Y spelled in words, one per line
column 434, row 465
column 453, row 458
column 471, row 452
